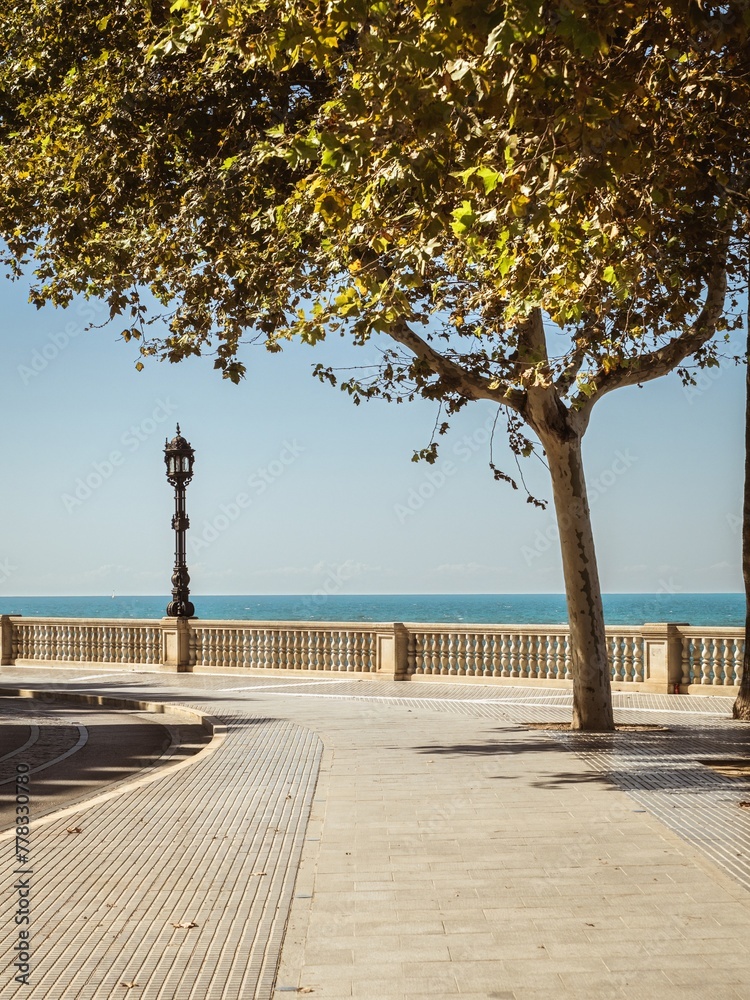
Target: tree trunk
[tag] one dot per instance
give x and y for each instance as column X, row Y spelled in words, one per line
column 741, row 708
column 592, row 696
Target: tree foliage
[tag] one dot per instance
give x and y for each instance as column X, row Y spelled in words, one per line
column 437, row 175
column 431, row 169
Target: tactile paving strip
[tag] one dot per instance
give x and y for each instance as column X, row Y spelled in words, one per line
column 216, row 845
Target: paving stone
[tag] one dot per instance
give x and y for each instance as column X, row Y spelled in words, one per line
column 448, row 852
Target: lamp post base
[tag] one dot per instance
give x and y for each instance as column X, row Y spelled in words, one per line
column 180, row 609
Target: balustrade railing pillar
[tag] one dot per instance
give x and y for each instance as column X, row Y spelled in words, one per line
column 175, row 644
column 662, row 657
column 391, row 653
column 6, row 641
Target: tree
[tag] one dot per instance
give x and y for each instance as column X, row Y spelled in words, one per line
column 741, row 707
column 438, row 174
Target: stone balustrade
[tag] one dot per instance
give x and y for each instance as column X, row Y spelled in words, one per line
column 656, row 657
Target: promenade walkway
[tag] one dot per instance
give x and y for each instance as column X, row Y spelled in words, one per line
column 353, row 838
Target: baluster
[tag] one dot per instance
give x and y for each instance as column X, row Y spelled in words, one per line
column 718, row 660
column 542, row 648
column 467, row 653
column 686, row 661
column 478, row 651
column 532, row 656
column 492, row 666
column 286, row 649
column 705, row 660
column 737, row 658
column 484, row 654
column 429, row 655
column 560, row 657
column 567, row 658
column 616, row 659
column 514, row 644
column 412, row 666
column 280, row 649
column 456, row 647
column 551, row 644
column 442, row 653
column 341, row 657
column 729, row 648
column 345, row 657
column 524, row 650
column 639, row 673
column 320, row 644
column 504, row 655
column 628, row 666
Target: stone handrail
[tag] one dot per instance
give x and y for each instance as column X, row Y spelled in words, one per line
column 656, row 657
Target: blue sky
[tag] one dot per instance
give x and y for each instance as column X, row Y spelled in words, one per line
column 295, row 487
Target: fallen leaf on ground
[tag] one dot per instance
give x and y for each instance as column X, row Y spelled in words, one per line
column 74, row 829
column 257, row 873
column 305, row 989
column 131, row 986
column 744, row 805
column 185, row 923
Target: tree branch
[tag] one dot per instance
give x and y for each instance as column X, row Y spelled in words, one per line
column 654, row 364
column 457, row 378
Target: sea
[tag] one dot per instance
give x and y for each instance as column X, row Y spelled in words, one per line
column 481, row 609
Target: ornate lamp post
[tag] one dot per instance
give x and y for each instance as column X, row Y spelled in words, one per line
column 179, row 457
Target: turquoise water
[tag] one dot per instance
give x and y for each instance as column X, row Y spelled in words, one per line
column 510, row 609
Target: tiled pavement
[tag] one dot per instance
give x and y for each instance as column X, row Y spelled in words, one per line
column 448, row 851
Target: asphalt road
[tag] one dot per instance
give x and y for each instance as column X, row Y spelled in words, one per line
column 73, row 751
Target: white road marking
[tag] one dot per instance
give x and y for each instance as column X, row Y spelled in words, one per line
column 268, row 687
column 83, row 736
column 29, row 743
column 88, row 677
